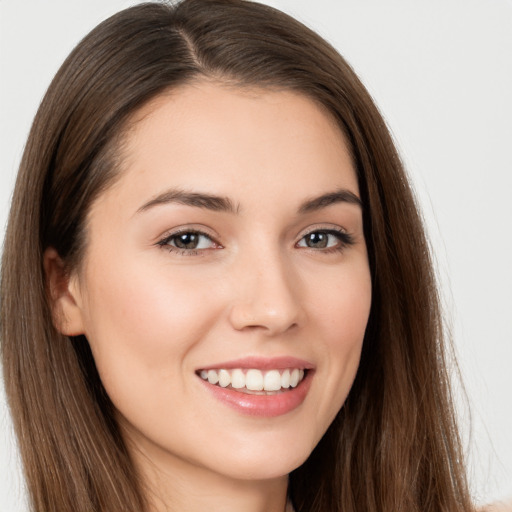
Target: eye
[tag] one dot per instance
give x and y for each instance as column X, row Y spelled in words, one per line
column 188, row 241
column 325, row 239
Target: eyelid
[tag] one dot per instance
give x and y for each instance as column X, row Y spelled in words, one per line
column 164, row 239
column 189, row 228
column 333, row 228
column 345, row 238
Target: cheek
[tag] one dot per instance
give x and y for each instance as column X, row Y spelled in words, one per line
column 141, row 325
column 342, row 306
column 342, row 312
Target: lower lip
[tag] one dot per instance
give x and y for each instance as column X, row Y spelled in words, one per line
column 267, row 406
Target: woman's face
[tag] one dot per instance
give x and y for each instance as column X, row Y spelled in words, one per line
column 231, row 247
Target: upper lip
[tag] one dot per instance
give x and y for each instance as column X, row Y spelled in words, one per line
column 262, row 363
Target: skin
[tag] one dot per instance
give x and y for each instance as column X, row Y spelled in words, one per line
column 154, row 314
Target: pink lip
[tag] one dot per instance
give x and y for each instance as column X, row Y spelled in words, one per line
column 262, row 363
column 267, row 406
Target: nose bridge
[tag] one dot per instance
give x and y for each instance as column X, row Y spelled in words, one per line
column 266, row 292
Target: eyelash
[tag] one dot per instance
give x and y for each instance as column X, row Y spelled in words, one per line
column 165, row 243
column 345, row 240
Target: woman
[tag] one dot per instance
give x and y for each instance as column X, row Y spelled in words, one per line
column 234, row 304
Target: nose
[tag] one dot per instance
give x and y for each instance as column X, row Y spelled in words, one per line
column 267, row 296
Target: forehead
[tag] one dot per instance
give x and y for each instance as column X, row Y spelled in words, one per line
column 234, row 141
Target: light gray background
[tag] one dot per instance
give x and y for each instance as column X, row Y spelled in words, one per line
column 441, row 71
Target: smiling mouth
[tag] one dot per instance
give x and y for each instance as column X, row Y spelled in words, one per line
column 254, row 381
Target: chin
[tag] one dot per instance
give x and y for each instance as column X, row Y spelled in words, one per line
column 266, row 462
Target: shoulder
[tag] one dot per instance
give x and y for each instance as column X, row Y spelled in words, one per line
column 498, row 506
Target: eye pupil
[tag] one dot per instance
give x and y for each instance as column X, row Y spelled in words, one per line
column 186, row 241
column 317, row 240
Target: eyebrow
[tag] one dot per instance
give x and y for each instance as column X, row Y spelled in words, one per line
column 325, row 200
column 224, row 204
column 199, row 200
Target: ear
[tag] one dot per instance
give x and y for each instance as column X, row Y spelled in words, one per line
column 64, row 295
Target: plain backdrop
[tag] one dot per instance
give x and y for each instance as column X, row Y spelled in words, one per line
column 441, row 72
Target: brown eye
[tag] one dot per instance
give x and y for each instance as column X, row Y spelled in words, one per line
column 188, row 241
column 327, row 239
column 317, row 240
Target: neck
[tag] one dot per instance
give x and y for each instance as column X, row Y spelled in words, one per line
column 179, row 485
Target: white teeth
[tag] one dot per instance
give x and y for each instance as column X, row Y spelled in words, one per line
column 285, row 379
column 272, row 381
column 213, row 378
column 254, row 379
column 294, row 378
column 238, row 379
column 224, row 378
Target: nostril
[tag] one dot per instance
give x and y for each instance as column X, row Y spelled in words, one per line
column 251, row 317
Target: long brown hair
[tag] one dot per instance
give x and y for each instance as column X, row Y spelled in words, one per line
column 394, row 444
